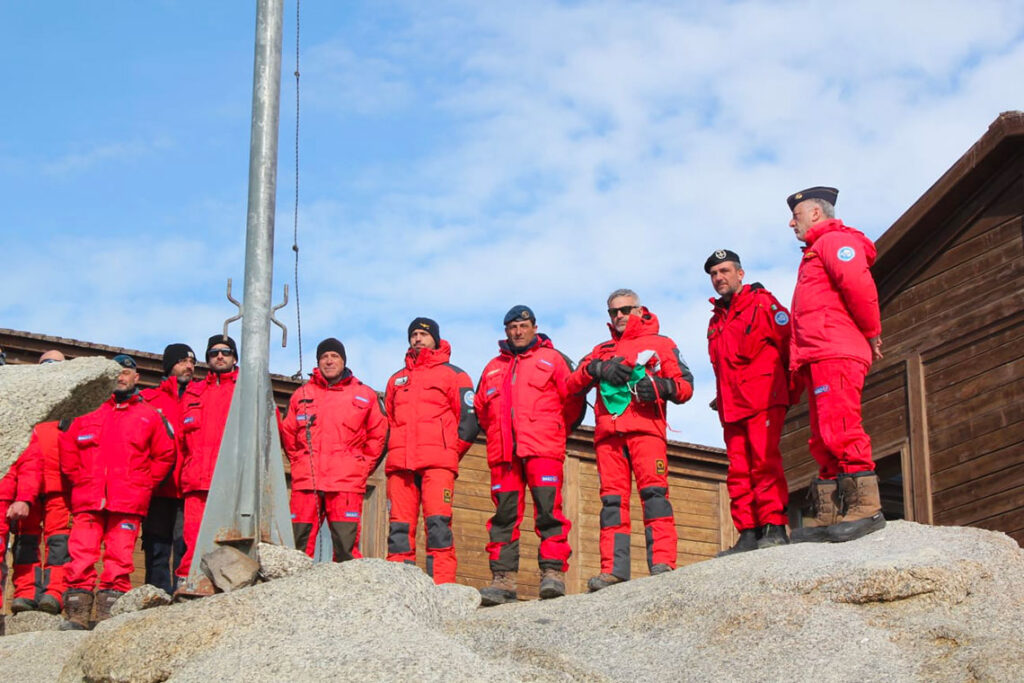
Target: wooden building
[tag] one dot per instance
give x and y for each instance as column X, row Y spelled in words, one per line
column 697, row 479
column 945, row 407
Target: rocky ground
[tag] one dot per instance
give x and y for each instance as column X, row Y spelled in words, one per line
column 909, row 603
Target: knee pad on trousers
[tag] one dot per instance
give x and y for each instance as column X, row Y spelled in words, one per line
column 398, row 538
column 611, row 511
column 439, row 532
column 655, row 501
column 620, row 557
column 57, row 550
column 505, row 515
column 25, row 550
column 649, row 538
column 544, row 506
column 301, row 531
column 343, row 535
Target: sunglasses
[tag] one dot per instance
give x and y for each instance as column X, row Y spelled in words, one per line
column 624, row 310
column 219, row 352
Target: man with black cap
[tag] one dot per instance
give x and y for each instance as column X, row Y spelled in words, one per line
column 113, row 459
column 334, row 437
column 836, row 335
column 162, row 531
column 748, row 342
column 432, row 424
column 527, row 412
column 205, row 405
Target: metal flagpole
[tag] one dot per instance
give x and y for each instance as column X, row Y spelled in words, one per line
column 248, row 501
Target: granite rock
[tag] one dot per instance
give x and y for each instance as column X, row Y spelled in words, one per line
column 229, row 568
column 277, row 562
column 143, row 597
column 25, row 622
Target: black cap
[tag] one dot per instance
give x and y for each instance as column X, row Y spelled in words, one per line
column 173, row 353
column 331, row 344
column 519, row 312
column 829, row 194
column 125, row 361
column 221, row 339
column 428, row 325
column 721, row 256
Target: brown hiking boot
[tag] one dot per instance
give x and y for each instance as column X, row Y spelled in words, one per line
column 824, row 497
column 502, row 590
column 861, row 511
column 552, row 584
column 78, row 607
column 50, row 604
column 602, row 580
column 105, row 600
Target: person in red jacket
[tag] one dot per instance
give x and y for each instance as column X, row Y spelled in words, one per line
column 837, row 333
column 524, row 406
column 636, row 372
column 163, row 543
column 429, row 404
column 748, row 342
column 204, row 405
column 19, row 504
column 334, row 437
column 112, row 458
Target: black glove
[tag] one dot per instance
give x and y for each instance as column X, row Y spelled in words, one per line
column 613, row 371
column 645, row 388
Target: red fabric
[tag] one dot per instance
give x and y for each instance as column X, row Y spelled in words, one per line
column 434, row 489
column 835, row 302
column 429, row 405
column 115, row 456
column 312, row 508
column 23, row 574
column 24, row 479
column 758, row 492
column 5, row 532
column 164, row 397
column 645, row 457
column 346, row 427
column 838, row 441
column 748, row 342
column 117, row 532
column 644, row 417
column 550, row 524
column 195, row 505
column 205, row 407
column 523, row 403
column 56, row 523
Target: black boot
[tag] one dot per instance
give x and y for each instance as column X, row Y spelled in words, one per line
column 773, row 535
column 748, row 541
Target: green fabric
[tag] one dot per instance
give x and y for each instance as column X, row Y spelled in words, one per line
column 616, row 398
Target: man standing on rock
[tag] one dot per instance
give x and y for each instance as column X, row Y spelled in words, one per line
column 635, row 373
column 205, row 407
column 432, row 423
column 748, row 342
column 162, row 530
column 524, row 406
column 836, row 334
column 334, row 437
column 113, row 458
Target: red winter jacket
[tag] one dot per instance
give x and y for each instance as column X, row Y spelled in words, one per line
column 429, row 405
column 204, row 407
column 748, row 341
column 24, row 479
column 641, row 334
column 115, row 456
column 835, row 303
column 523, row 405
column 333, row 434
column 165, row 399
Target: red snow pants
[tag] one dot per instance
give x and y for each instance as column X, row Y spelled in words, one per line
column 434, row 489
column 195, row 506
column 117, row 532
column 758, row 492
column 838, row 441
column 342, row 511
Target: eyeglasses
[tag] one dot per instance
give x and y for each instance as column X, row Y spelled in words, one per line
column 219, row 352
column 624, row 310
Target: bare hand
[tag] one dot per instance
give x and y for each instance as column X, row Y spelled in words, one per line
column 17, row 510
column 876, row 347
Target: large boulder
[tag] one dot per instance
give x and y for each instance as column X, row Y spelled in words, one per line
column 37, row 655
column 30, row 394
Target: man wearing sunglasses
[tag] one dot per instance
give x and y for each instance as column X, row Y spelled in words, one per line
column 635, row 372
column 205, row 405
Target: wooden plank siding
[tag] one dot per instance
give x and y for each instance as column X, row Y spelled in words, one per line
column 949, row 395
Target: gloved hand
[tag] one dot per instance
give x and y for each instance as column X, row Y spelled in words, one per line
column 645, row 388
column 613, row 371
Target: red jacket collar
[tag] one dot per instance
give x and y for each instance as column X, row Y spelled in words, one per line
column 221, row 377
column 637, row 326
column 541, row 341
column 346, row 378
column 429, row 357
column 815, row 232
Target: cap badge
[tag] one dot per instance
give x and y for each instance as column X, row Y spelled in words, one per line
column 720, row 253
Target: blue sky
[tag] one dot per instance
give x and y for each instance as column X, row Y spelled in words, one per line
column 461, row 157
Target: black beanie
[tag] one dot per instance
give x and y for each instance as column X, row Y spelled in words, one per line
column 174, row 353
column 331, row 344
column 221, row 339
column 428, row 325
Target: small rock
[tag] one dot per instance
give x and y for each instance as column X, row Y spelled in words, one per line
column 143, row 597
column 277, row 561
column 25, row 622
column 229, row 568
column 462, row 599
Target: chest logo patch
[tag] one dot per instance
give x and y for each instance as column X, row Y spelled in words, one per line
column 823, row 389
column 781, row 318
column 401, row 380
column 845, row 254
column 468, row 398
